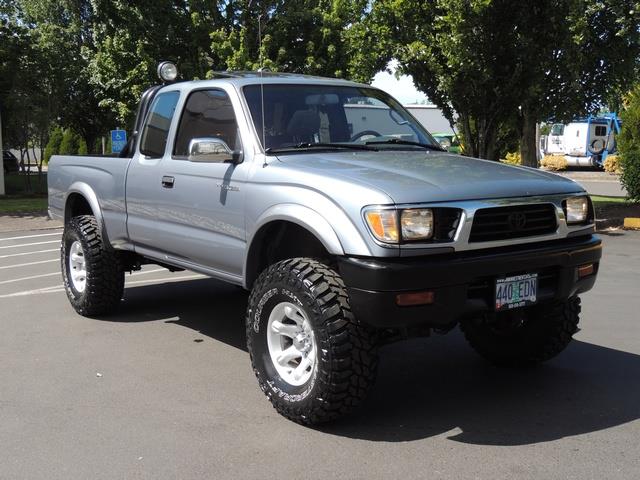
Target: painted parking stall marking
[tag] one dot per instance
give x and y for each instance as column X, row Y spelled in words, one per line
column 21, row 276
column 21, row 237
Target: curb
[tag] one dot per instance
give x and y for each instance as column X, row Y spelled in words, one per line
column 607, row 223
column 632, row 223
column 22, row 222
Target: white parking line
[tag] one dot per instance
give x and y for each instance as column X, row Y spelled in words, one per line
column 22, row 279
column 56, row 288
column 30, row 263
column 29, row 244
column 29, row 253
column 60, row 288
column 31, row 236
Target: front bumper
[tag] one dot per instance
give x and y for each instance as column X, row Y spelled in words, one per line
column 463, row 283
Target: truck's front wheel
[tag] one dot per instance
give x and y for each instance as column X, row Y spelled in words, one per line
column 313, row 360
column 92, row 274
column 526, row 336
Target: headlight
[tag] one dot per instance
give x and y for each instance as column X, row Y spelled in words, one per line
column 383, row 224
column 576, row 209
column 416, row 224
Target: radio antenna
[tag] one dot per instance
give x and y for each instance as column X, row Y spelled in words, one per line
column 261, row 70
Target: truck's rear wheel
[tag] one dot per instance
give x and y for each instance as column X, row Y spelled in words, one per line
column 313, row 360
column 92, row 274
column 526, row 336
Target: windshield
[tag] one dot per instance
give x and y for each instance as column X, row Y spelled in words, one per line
column 305, row 115
column 557, row 129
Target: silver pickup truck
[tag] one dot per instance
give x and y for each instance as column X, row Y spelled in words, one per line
column 344, row 218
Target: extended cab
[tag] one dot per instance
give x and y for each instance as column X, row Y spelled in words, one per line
column 345, row 219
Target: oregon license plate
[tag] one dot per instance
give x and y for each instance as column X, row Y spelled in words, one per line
column 517, row 291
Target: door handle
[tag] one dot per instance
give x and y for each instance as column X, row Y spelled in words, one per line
column 167, row 182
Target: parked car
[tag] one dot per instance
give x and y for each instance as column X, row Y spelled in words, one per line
column 10, row 162
column 347, row 236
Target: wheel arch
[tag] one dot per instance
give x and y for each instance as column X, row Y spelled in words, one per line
column 308, row 234
column 82, row 200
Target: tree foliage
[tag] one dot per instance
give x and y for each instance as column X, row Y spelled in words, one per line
column 304, row 36
column 629, row 144
column 496, row 67
column 498, row 64
column 53, row 145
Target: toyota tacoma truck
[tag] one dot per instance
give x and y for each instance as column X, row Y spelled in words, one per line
column 343, row 217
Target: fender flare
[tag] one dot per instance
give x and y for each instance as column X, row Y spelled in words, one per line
column 304, row 217
column 90, row 196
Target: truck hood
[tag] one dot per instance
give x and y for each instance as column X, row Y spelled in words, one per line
column 413, row 177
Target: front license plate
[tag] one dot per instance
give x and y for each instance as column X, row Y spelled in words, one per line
column 518, row 291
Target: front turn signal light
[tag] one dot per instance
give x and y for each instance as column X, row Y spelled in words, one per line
column 383, row 224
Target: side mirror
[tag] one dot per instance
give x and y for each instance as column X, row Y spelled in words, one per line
column 212, row 150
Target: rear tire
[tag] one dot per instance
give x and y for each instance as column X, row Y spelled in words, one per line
column 525, row 337
column 91, row 270
column 313, row 360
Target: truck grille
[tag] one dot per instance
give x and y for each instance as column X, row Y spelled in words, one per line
column 446, row 221
column 503, row 223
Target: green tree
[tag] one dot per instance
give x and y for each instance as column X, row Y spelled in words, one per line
column 130, row 38
column 629, row 144
column 577, row 57
column 69, row 143
column 304, row 36
column 53, row 146
column 497, row 64
column 82, row 146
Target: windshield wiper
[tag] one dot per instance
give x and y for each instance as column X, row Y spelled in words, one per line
column 398, row 141
column 307, row 145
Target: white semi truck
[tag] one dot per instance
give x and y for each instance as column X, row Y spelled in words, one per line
column 585, row 142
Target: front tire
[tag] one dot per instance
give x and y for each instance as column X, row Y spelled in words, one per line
column 524, row 337
column 313, row 360
column 91, row 270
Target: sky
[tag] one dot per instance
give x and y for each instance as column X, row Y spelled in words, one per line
column 402, row 89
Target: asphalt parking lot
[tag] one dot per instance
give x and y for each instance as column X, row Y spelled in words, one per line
column 164, row 389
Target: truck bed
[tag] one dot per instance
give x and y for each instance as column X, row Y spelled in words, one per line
column 100, row 179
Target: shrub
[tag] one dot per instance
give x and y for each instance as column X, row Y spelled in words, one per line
column 512, row 159
column 554, row 162
column 53, row 146
column 630, row 177
column 107, row 145
column 69, row 144
column 612, row 164
column 629, row 144
column 82, row 146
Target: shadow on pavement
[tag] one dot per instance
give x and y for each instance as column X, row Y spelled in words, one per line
column 211, row 307
column 437, row 385
column 432, row 386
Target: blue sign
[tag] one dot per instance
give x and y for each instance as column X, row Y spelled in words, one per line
column 118, row 140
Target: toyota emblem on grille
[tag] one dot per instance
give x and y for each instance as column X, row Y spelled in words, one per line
column 517, row 221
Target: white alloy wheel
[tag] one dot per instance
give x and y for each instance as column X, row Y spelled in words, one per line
column 292, row 344
column 77, row 267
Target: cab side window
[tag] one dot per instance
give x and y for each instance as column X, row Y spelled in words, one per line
column 156, row 128
column 207, row 114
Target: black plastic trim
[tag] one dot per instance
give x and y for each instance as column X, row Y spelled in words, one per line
column 373, row 283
